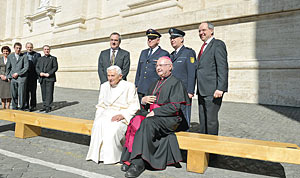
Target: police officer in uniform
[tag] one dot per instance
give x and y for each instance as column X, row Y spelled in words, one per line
column 184, row 66
column 146, row 72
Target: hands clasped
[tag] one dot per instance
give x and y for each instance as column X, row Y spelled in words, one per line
column 148, row 99
column 117, row 118
column 42, row 74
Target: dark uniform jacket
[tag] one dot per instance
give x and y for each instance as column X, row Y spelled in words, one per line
column 47, row 64
column 184, row 67
column 212, row 69
column 146, row 70
column 122, row 60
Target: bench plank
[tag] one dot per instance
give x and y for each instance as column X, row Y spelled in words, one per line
column 28, row 119
column 240, row 147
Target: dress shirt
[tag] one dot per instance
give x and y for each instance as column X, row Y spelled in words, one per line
column 207, row 42
column 153, row 51
column 178, row 49
column 111, row 51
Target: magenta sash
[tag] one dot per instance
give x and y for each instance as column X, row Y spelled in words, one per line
column 133, row 126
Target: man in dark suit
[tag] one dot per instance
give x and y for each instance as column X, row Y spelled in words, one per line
column 146, row 71
column 113, row 56
column 46, row 68
column 212, row 78
column 184, row 66
column 17, row 67
column 32, row 57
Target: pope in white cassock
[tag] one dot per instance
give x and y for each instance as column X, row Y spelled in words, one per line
column 118, row 102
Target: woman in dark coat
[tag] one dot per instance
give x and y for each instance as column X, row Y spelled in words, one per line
column 4, row 81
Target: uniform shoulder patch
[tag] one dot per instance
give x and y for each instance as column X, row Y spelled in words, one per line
column 192, row 59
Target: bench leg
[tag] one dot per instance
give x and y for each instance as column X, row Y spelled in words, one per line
column 26, row 131
column 197, row 161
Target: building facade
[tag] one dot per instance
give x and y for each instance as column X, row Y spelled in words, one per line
column 262, row 38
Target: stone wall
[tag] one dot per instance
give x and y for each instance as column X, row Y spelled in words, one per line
column 262, row 38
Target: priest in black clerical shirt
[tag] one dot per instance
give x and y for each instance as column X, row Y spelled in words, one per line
column 150, row 136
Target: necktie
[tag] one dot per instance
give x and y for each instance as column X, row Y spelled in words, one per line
column 112, row 58
column 201, row 50
column 150, row 52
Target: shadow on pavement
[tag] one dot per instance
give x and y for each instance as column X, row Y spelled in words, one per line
column 66, row 136
column 288, row 111
column 250, row 166
column 7, row 127
column 58, row 105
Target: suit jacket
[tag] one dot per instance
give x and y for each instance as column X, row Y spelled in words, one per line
column 47, row 64
column 122, row 60
column 184, row 67
column 146, row 70
column 212, row 69
column 32, row 63
column 19, row 66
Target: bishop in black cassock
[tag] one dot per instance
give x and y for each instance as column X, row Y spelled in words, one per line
column 154, row 141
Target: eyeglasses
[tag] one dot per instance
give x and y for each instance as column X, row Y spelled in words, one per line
column 160, row 65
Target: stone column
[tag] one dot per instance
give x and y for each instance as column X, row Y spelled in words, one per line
column 10, row 20
column 19, row 23
column 72, row 20
column 93, row 14
column 2, row 18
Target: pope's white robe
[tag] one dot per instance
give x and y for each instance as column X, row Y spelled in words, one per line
column 108, row 137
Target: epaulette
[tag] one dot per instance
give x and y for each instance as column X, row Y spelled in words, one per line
column 189, row 48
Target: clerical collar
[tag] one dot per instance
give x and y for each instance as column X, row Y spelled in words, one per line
column 159, row 84
column 164, row 78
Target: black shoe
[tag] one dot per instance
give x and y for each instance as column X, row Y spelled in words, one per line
column 32, row 109
column 124, row 167
column 48, row 110
column 43, row 109
column 134, row 171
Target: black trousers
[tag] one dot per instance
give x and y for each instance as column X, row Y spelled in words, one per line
column 47, row 88
column 208, row 114
column 31, row 93
column 140, row 95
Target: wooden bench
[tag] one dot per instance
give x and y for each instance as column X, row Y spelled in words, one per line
column 198, row 146
column 29, row 124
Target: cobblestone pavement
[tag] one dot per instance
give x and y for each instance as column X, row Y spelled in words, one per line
column 273, row 123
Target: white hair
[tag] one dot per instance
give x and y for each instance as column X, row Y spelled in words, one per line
column 117, row 68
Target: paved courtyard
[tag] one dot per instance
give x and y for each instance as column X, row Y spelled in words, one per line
column 62, row 155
